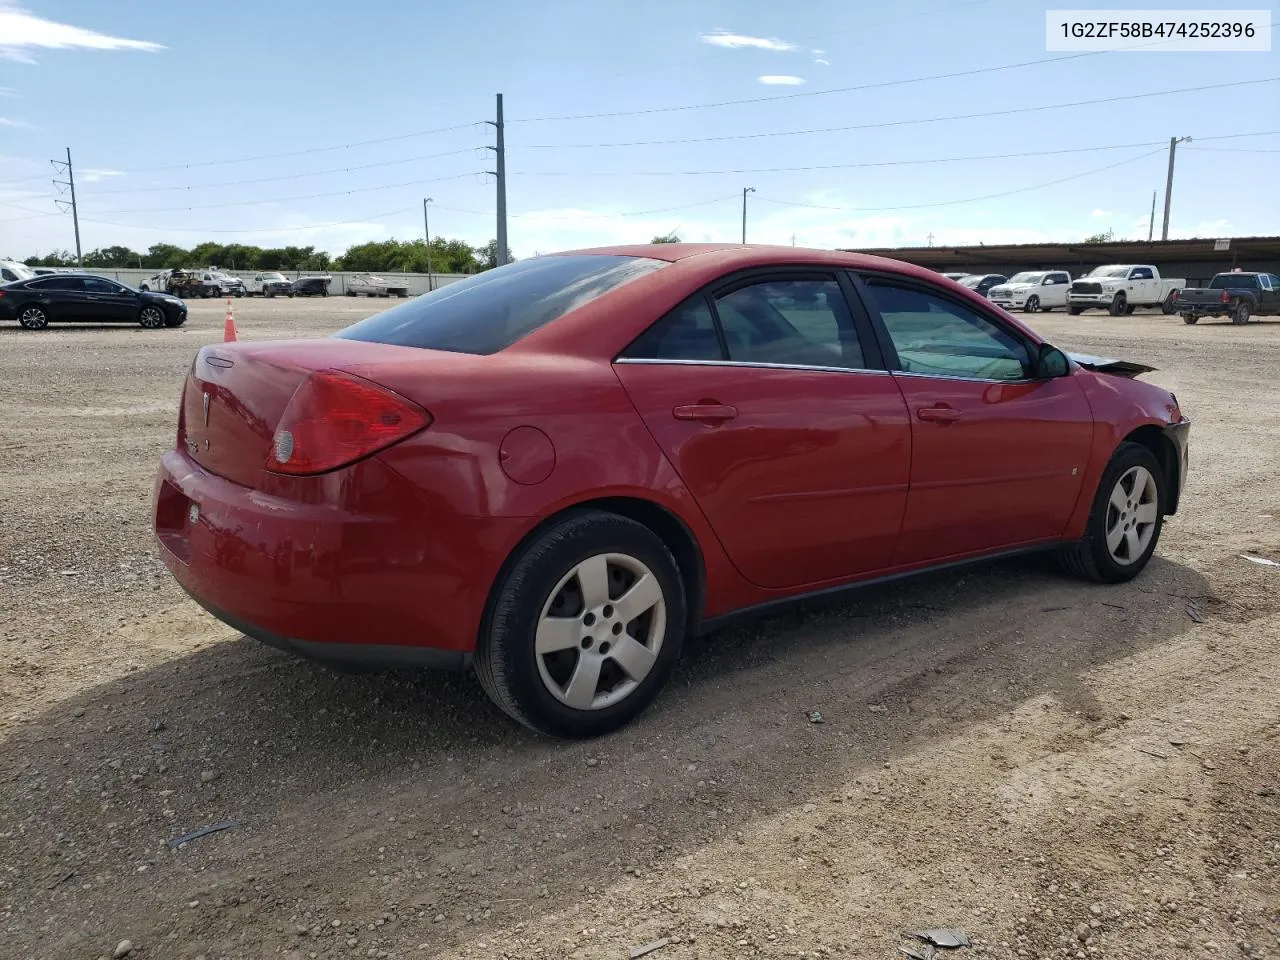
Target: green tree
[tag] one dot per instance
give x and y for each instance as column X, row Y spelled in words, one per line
column 55, row 258
column 165, row 256
column 668, row 238
column 488, row 255
column 112, row 257
column 1100, row 237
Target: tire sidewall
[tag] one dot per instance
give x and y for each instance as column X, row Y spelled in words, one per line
column 1127, row 456
column 1119, row 303
column 1033, row 304
column 512, row 624
column 143, row 322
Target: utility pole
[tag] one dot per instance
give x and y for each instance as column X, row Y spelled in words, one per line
column 1151, row 227
column 745, row 191
column 500, row 174
column 426, row 228
column 70, row 184
column 930, row 238
column 1168, row 184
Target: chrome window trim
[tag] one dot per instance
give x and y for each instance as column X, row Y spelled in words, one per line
column 951, row 376
column 749, row 363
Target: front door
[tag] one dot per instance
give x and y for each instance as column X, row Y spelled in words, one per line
column 997, row 455
column 796, row 448
column 107, row 301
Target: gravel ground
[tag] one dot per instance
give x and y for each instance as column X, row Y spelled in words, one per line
column 1060, row 770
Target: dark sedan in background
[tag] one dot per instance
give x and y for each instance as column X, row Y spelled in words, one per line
column 981, row 283
column 84, row 298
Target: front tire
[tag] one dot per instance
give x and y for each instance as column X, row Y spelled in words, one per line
column 1032, row 305
column 151, row 318
column 33, row 318
column 1119, row 304
column 1125, row 522
column 584, row 628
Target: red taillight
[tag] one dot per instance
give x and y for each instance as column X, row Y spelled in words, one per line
column 1174, row 296
column 1226, row 296
column 336, row 418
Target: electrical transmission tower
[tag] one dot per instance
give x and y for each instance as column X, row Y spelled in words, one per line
column 65, row 186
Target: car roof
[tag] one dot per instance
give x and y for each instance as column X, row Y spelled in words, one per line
column 743, row 256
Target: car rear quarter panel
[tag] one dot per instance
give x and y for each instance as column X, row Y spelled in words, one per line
column 601, row 450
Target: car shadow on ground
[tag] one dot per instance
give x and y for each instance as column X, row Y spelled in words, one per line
column 354, row 792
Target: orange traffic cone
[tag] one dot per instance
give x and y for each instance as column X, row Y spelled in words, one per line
column 229, row 327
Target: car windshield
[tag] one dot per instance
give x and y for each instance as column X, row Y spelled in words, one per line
column 973, row 280
column 273, row 276
column 1109, row 272
column 1239, row 281
column 1027, row 278
column 492, row 310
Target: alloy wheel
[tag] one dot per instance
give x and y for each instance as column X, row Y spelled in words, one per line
column 152, row 318
column 33, row 318
column 600, row 632
column 1131, row 515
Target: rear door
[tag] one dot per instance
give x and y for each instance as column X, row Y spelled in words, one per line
column 997, row 455
column 771, row 401
column 1053, row 290
column 63, row 297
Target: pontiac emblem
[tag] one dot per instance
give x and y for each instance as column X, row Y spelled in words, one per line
column 206, row 409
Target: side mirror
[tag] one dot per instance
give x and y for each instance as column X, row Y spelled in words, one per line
column 1051, row 362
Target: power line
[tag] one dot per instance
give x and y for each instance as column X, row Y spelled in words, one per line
column 300, row 153
column 1234, row 149
column 876, row 85
column 627, row 213
column 291, row 176
column 308, row 196
column 832, row 166
column 896, row 123
column 953, row 203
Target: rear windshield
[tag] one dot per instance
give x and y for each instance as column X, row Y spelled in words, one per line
column 1224, row 281
column 492, row 310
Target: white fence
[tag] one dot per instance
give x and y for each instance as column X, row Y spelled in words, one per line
column 416, row 282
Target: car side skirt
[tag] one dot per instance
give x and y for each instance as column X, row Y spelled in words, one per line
column 770, row 606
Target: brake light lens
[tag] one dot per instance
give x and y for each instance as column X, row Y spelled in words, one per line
column 335, row 419
column 1226, row 296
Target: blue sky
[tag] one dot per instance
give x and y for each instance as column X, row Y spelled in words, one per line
column 153, row 97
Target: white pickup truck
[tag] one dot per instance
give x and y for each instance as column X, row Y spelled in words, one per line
column 1123, row 287
column 1032, row 290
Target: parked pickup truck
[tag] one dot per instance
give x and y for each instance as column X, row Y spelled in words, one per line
column 1236, row 295
column 1122, row 288
column 1032, row 290
column 269, row 284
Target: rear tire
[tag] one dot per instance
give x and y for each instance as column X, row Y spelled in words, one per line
column 551, row 651
column 1125, row 521
column 1170, row 304
column 33, row 318
column 1241, row 314
column 1190, row 318
column 1075, row 311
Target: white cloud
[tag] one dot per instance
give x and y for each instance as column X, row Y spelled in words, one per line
column 736, row 41
column 825, row 63
column 10, row 122
column 818, row 52
column 781, row 80
column 21, row 30
column 93, row 175
column 8, row 93
column 1099, row 213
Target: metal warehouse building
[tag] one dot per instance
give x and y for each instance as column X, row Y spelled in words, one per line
column 1195, row 260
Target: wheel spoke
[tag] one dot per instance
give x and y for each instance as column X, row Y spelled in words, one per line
column 633, row 656
column 641, row 596
column 1146, row 513
column 1119, row 499
column 557, row 633
column 593, row 579
column 581, row 690
column 1114, row 536
column 1133, row 543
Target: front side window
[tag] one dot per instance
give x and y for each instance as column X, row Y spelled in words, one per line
column 490, row 311
column 791, row 322
column 1142, row 273
column 936, row 337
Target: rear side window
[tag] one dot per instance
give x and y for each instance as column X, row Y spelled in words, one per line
column 492, row 310
column 687, row 333
column 58, row 283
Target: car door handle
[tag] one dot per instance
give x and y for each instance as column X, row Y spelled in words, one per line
column 939, row 414
column 706, row 412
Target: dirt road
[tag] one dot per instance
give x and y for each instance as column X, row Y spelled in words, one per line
column 1057, row 769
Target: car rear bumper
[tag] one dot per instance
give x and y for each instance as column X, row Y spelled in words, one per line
column 358, row 586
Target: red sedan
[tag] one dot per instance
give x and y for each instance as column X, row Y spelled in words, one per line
column 557, row 470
